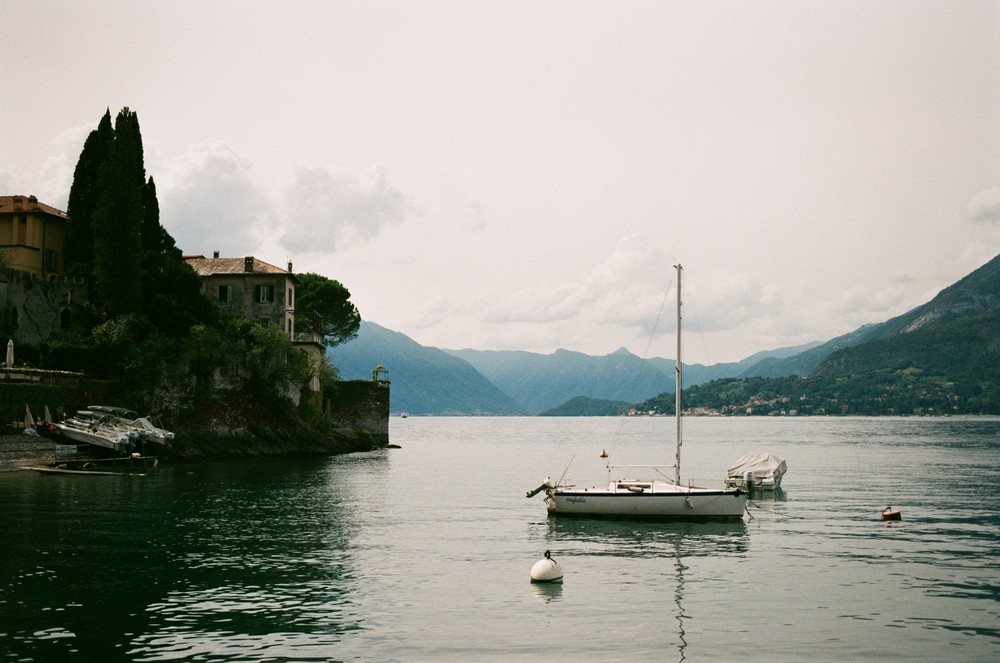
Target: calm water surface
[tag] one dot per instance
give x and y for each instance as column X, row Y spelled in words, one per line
column 423, row 553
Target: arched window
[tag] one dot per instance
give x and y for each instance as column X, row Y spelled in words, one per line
column 65, row 317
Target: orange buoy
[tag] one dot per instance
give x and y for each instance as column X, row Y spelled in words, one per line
column 891, row 514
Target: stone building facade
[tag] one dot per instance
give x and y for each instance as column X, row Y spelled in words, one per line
column 36, row 299
column 260, row 291
column 249, row 287
column 32, row 235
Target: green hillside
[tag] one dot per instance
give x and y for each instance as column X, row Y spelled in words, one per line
column 940, row 358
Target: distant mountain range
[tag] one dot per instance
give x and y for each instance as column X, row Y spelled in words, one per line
column 958, row 330
column 423, row 380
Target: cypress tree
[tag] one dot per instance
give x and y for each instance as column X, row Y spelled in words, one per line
column 114, row 233
column 171, row 290
column 83, row 198
column 118, row 221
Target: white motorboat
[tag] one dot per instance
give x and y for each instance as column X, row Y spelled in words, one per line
column 145, row 428
column 648, row 497
column 96, row 431
column 764, row 469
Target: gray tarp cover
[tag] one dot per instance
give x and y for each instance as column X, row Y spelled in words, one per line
column 763, row 465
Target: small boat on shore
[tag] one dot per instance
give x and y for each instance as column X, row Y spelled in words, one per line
column 148, row 428
column 96, row 431
column 133, row 465
column 66, row 470
column 118, row 429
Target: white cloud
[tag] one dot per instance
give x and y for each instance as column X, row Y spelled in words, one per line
column 56, row 176
column 210, row 202
column 984, row 206
column 328, row 211
column 9, row 182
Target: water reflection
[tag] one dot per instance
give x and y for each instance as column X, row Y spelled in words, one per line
column 264, row 553
column 594, row 536
column 547, row 591
column 776, row 495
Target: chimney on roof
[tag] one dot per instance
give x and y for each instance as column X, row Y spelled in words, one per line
column 248, row 264
column 215, row 255
column 289, row 266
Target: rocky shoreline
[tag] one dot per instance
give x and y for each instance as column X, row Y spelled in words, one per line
column 19, row 451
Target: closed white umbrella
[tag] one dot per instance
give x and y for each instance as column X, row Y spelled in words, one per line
column 10, row 353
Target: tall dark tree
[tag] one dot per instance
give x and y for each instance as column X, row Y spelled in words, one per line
column 115, row 238
column 118, row 220
column 171, row 290
column 325, row 305
column 84, row 195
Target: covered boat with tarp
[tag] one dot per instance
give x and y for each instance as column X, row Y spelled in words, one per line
column 765, row 468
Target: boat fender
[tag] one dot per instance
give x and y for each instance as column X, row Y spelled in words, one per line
column 546, row 570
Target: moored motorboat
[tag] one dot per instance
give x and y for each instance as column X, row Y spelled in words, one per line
column 96, row 431
column 115, row 428
column 148, row 428
column 764, row 469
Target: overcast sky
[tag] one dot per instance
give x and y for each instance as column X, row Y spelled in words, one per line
column 523, row 175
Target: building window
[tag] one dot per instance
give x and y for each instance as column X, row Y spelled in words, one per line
column 50, row 259
column 224, row 294
column 291, row 298
column 65, row 318
column 263, row 293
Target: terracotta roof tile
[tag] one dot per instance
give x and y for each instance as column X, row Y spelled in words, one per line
column 9, row 204
column 211, row 266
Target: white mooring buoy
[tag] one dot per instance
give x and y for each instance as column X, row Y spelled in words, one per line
column 546, row 570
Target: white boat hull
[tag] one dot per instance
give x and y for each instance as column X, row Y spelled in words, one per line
column 116, row 442
column 664, row 501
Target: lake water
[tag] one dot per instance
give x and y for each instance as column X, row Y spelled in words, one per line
column 423, row 553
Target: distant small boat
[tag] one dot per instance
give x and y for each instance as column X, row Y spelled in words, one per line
column 134, row 465
column 891, row 514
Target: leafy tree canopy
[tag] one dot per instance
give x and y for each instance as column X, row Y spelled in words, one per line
column 325, row 304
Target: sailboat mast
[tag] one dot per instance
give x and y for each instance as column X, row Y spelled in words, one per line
column 678, row 380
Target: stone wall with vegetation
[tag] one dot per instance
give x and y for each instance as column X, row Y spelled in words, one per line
column 230, row 423
column 362, row 406
column 35, row 308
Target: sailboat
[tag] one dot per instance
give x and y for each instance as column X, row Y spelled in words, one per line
column 649, row 497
